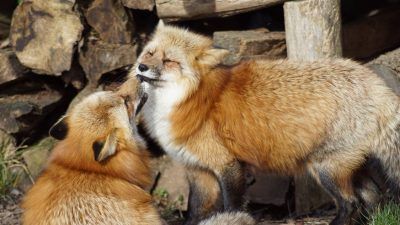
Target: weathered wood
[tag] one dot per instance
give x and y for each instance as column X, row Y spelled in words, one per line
column 313, row 29
column 372, row 35
column 190, row 9
column 44, row 34
column 258, row 43
column 142, row 4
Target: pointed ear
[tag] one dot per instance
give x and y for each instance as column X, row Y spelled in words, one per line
column 213, row 56
column 104, row 149
column 160, row 24
column 60, row 129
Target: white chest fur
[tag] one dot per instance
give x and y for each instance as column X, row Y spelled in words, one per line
column 157, row 113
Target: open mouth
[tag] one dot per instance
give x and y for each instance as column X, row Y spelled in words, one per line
column 146, row 79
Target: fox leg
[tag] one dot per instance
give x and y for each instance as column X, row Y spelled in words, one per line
column 366, row 187
column 215, row 157
column 340, row 187
column 232, row 182
column 204, row 196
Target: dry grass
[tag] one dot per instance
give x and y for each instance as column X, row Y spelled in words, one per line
column 11, row 165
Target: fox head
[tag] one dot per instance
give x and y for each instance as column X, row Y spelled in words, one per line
column 99, row 135
column 176, row 55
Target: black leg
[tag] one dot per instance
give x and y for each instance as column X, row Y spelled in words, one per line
column 233, row 185
column 345, row 207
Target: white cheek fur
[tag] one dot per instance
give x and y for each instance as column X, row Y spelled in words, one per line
column 156, row 113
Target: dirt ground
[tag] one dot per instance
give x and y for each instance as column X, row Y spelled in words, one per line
column 10, row 214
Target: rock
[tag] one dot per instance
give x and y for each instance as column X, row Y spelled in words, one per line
column 111, row 21
column 98, row 58
column 173, row 180
column 391, row 78
column 390, row 59
column 142, row 4
column 10, row 67
column 387, row 66
column 250, row 44
column 7, row 143
column 268, row 189
column 4, row 25
column 44, row 33
column 75, row 76
column 35, row 158
column 10, row 112
column 25, row 103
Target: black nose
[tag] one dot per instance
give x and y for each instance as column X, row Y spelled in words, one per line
column 143, row 67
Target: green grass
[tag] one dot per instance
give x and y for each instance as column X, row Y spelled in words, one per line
column 386, row 215
column 11, row 166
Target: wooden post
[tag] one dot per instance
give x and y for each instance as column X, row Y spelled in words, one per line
column 313, row 31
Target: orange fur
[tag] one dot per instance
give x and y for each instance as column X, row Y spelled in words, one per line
column 282, row 116
column 74, row 188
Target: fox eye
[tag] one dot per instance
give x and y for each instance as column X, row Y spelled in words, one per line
column 150, row 53
column 169, row 61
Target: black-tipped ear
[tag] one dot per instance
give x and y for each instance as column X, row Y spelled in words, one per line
column 60, row 129
column 103, row 150
column 97, row 147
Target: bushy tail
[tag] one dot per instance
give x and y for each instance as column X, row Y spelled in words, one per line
column 387, row 153
column 230, row 218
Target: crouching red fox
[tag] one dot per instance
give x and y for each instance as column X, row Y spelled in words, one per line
column 98, row 172
column 324, row 117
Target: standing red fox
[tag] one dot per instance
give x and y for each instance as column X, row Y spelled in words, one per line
column 324, row 117
column 97, row 173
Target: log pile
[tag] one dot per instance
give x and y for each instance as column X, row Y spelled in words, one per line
column 53, row 53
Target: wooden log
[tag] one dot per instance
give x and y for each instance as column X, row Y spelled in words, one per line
column 313, row 29
column 372, row 35
column 191, row 9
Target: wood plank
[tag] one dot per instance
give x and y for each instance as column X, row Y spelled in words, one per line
column 191, row 9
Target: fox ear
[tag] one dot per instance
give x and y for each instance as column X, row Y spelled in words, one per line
column 160, row 24
column 104, row 149
column 213, row 56
column 60, row 129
